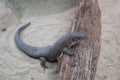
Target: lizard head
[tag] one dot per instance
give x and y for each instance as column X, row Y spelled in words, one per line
column 76, row 36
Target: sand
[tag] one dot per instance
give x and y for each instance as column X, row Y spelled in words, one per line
column 109, row 61
column 15, row 65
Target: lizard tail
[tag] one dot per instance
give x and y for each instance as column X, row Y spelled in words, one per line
column 28, row 49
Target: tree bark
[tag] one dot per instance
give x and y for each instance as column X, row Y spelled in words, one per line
column 82, row 66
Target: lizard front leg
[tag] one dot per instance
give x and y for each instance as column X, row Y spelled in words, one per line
column 67, row 51
column 73, row 44
column 43, row 62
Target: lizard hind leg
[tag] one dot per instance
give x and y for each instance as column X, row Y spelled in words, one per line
column 43, row 62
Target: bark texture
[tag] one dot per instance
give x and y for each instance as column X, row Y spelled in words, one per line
column 82, row 66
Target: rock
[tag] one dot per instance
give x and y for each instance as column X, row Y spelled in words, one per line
column 28, row 8
column 7, row 17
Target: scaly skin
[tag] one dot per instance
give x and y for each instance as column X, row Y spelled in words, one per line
column 49, row 53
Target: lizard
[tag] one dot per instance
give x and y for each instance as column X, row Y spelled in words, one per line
column 51, row 52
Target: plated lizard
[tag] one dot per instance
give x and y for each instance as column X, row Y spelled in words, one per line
column 51, row 52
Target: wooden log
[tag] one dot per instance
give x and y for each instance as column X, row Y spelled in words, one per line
column 83, row 65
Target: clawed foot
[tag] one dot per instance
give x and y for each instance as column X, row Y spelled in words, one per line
column 45, row 67
column 72, row 64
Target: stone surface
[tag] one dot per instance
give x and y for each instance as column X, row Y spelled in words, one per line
column 28, row 8
column 7, row 17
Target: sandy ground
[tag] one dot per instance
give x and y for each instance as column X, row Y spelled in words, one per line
column 15, row 65
column 109, row 61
